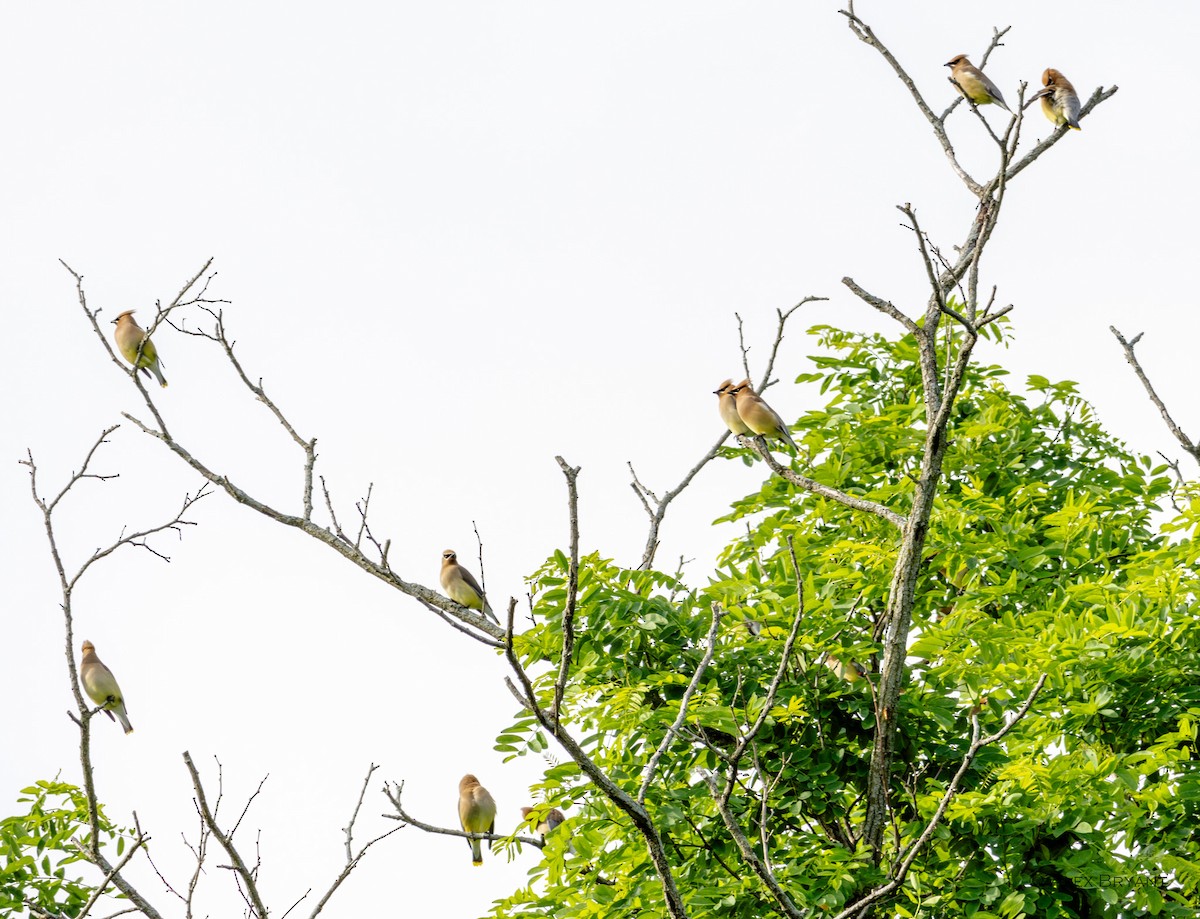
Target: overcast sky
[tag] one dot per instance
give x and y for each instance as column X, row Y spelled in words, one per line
column 461, row 238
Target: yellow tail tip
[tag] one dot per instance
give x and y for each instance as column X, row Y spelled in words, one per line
column 477, row 864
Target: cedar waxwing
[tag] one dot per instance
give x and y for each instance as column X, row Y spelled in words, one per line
column 1059, row 100
column 550, row 821
column 101, row 686
column 461, row 587
column 974, row 84
column 728, row 410
column 758, row 416
column 128, row 336
column 476, row 813
column 849, row 670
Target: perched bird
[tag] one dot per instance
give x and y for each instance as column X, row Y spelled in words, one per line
column 1059, row 100
column 101, row 686
column 129, row 335
column 461, row 587
column 758, row 416
column 973, row 83
column 849, row 670
column 550, row 820
column 476, row 813
column 728, row 410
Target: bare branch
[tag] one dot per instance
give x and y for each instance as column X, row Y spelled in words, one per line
column 865, row 34
column 784, row 316
column 405, row 818
column 884, row 306
column 769, row 701
column 659, row 510
column 757, row 865
column 610, row 789
column 977, row 743
column 112, row 873
column 245, row 874
column 352, row 858
column 860, row 504
column 660, row 506
column 1177, row 432
column 568, row 619
column 721, row 796
column 336, row 539
column 1100, row 94
column 710, row 644
column 309, row 447
column 743, row 348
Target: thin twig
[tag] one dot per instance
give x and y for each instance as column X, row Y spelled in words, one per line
column 610, row 789
column 303, row 522
column 825, row 491
column 352, row 858
column 1186, row 442
column 245, row 874
column 710, row 645
column 404, row 817
column 977, row 743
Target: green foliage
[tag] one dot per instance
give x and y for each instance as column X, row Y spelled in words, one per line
column 1049, row 551
column 36, row 848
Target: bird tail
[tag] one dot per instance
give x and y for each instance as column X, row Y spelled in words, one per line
column 487, row 611
column 162, row 381
column 124, row 719
column 476, row 853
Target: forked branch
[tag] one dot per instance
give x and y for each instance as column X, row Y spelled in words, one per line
column 1189, row 445
column 468, row 621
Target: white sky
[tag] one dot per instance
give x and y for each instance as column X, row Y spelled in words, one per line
column 460, row 238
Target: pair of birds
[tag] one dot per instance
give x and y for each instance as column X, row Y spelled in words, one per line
column 477, row 814
column 1060, row 102
column 129, row 337
column 101, row 686
column 744, row 412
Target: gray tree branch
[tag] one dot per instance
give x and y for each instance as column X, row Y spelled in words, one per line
column 1189, row 445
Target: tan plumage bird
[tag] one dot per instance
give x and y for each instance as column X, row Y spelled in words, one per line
column 758, row 416
column 476, row 813
column 461, row 587
column 550, row 820
column 101, row 686
column 1060, row 103
column 973, row 83
column 728, row 410
column 129, row 335
column 849, row 670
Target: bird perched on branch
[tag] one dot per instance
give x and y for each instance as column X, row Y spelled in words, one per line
column 973, row 83
column 550, row 820
column 1060, row 103
column 728, row 410
column 758, row 416
column 849, row 670
column 128, row 336
column 101, row 686
column 461, row 587
column 476, row 813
